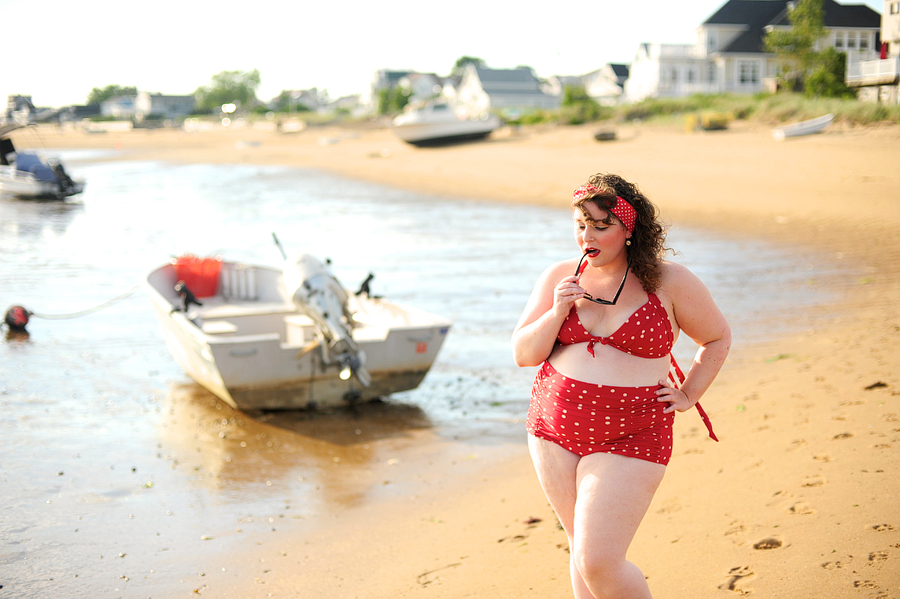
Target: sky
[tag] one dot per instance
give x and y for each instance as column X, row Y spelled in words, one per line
column 57, row 51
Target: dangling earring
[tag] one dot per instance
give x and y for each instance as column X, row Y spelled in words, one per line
column 627, row 242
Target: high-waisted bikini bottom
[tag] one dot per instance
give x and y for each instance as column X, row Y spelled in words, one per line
column 587, row 418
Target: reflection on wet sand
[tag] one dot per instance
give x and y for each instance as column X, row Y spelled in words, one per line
column 333, row 457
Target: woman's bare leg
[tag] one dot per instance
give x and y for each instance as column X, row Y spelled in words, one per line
column 600, row 500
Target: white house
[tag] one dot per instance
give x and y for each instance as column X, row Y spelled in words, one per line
column 878, row 77
column 421, row 86
column 382, row 79
column 729, row 54
column 507, row 91
column 157, row 105
column 605, row 85
column 119, row 107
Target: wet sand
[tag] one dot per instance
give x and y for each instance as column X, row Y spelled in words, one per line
column 799, row 498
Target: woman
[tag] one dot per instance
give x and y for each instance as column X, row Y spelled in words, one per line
column 603, row 402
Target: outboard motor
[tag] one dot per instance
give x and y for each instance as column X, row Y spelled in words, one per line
column 318, row 294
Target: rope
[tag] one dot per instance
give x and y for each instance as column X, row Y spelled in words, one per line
column 97, row 308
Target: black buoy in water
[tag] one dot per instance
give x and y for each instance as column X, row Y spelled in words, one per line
column 17, row 318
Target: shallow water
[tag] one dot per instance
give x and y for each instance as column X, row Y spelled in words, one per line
column 116, row 464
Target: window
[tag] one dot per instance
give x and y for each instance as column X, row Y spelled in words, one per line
column 863, row 41
column 851, row 39
column 839, row 40
column 895, row 8
column 711, row 41
column 749, row 73
column 711, row 73
column 690, row 75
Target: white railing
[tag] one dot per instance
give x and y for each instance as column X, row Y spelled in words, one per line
column 874, row 72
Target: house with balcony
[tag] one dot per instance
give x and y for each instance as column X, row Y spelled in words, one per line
column 877, row 75
column 729, row 54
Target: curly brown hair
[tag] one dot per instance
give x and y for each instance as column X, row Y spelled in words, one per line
column 649, row 235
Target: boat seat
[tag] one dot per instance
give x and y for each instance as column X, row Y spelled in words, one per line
column 214, row 308
column 218, row 327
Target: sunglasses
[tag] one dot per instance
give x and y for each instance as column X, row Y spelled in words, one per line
column 603, row 302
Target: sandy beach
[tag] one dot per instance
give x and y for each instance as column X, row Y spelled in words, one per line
column 800, row 497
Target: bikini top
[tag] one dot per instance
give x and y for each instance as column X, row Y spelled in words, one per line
column 646, row 334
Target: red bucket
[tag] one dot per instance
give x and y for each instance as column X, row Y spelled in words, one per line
column 201, row 275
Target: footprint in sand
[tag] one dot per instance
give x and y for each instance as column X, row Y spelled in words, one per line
column 883, row 527
column 833, row 565
column 737, row 580
column 801, row 508
column 798, row 444
column 865, row 584
column 433, row 576
column 814, row 481
column 513, row 539
column 768, row 543
column 877, row 556
column 840, row 436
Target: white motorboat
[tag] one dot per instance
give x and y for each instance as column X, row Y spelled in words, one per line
column 261, row 338
column 803, row 127
column 435, row 123
column 28, row 175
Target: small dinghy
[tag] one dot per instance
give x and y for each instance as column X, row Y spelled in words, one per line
column 803, row 128
column 263, row 338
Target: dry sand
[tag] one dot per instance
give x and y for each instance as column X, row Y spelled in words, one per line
column 800, row 499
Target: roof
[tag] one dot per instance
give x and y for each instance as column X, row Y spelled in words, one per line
column 857, row 16
column 621, row 70
column 756, row 15
column 507, row 81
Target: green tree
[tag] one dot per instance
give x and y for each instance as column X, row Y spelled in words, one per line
column 286, row 102
column 827, row 78
column 578, row 107
column 99, row 95
column 795, row 48
column 462, row 61
column 238, row 87
column 392, row 100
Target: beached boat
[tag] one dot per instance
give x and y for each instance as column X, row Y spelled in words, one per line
column 803, row 128
column 28, row 175
column 261, row 338
column 435, row 123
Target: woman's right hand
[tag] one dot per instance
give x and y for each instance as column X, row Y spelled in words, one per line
column 566, row 292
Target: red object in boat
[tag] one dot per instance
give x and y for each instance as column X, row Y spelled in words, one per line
column 201, row 275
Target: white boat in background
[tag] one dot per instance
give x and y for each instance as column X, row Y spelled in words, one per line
column 25, row 174
column 803, row 127
column 261, row 338
column 435, row 123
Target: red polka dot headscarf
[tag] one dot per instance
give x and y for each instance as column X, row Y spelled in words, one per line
column 623, row 210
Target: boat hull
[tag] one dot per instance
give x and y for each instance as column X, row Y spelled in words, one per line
column 25, row 185
column 803, row 128
column 425, row 134
column 261, row 355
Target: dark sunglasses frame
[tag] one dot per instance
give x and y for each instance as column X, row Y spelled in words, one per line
column 604, row 302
